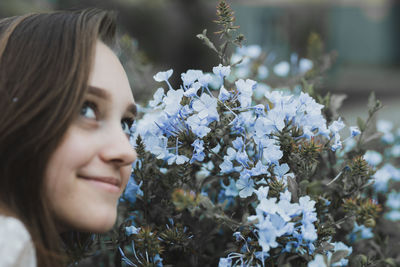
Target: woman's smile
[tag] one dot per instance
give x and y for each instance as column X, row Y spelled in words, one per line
column 107, row 183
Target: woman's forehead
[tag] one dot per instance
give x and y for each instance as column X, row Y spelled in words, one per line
column 108, row 73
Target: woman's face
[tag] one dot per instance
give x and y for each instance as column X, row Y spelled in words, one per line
column 89, row 170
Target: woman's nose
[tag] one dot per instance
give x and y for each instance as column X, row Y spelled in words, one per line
column 117, row 148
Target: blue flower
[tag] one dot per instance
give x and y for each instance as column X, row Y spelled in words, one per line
column 158, row 96
column 205, row 79
column 238, row 143
column 245, row 185
column 191, row 76
column 177, row 159
column 172, row 101
column 163, row 75
column 132, row 230
column 340, row 246
column 354, row 131
column 225, row 262
column 267, row 235
column 337, row 144
column 281, row 170
column 262, row 192
column 223, row 94
column 383, row 175
column 132, row 190
column 385, row 127
column 393, row 200
column 226, row 166
column 305, row 65
column 360, row 232
column 242, row 158
column 157, row 259
column 192, row 91
column 306, row 204
column 245, row 89
column 319, row 261
column 230, row 190
column 251, row 51
column 198, row 126
column 198, row 153
column 309, row 233
column 336, row 126
column 263, row 126
column 222, row 71
column 282, row 69
column 206, row 107
column 373, row 158
column 259, row 169
column 271, row 152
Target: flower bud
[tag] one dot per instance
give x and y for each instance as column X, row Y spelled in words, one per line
column 370, row 223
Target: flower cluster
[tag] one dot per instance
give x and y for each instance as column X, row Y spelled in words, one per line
column 244, row 147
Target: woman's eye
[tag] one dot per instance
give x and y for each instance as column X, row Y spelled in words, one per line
column 89, row 110
column 126, row 125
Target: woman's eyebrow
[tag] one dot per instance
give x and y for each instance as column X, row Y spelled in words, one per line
column 132, row 109
column 99, row 92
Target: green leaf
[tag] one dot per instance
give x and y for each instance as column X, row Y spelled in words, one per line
column 207, row 42
column 390, row 262
column 361, row 124
column 371, row 101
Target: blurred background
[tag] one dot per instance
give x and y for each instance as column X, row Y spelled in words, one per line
column 364, row 35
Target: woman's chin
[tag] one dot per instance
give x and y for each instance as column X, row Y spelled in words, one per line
column 99, row 222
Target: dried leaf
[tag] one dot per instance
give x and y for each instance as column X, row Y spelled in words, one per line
column 336, row 102
column 338, row 255
column 293, row 187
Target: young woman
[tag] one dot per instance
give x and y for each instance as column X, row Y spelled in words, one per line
column 65, row 113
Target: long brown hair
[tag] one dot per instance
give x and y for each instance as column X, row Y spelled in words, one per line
column 45, row 62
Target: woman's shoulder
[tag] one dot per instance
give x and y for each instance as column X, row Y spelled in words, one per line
column 16, row 247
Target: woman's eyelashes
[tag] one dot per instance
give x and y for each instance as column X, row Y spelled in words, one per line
column 126, row 124
column 91, row 111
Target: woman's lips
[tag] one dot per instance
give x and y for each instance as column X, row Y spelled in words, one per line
column 109, row 184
